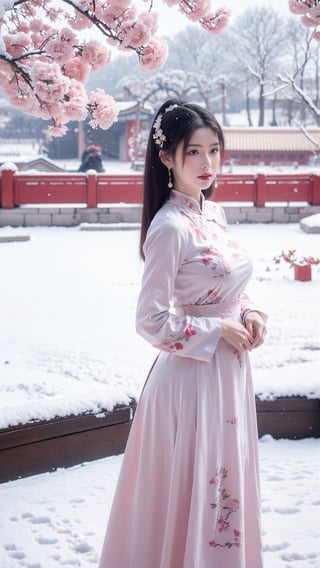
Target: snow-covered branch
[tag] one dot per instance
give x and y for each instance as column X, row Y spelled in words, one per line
column 308, row 135
column 286, row 79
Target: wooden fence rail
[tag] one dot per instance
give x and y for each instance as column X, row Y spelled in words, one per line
column 93, row 189
column 39, row 446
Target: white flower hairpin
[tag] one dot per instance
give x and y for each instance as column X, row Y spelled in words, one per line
column 158, row 136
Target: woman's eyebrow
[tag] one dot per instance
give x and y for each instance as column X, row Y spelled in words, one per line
column 200, row 145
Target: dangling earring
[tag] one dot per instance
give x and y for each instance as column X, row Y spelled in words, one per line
column 215, row 183
column 170, row 184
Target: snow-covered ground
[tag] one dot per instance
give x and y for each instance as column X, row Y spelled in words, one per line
column 68, row 344
column 68, row 338
column 59, row 519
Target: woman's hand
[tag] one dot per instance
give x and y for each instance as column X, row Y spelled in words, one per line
column 256, row 327
column 237, row 335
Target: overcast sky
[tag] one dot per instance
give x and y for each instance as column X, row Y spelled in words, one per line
column 172, row 21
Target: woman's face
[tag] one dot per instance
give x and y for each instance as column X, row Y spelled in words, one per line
column 195, row 168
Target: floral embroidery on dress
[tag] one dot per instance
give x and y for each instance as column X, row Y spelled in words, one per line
column 234, row 421
column 177, row 344
column 211, row 297
column 226, row 506
column 213, row 258
column 232, row 244
column 185, row 201
column 237, row 353
column 192, row 224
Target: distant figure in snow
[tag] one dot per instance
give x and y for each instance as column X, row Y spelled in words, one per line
column 91, row 159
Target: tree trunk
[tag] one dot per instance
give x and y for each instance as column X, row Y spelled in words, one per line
column 248, row 107
column 290, row 111
column 261, row 105
column 274, row 111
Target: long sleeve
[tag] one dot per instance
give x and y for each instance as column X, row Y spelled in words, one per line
column 196, row 337
column 247, row 305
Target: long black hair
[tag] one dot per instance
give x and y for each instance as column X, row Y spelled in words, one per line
column 177, row 125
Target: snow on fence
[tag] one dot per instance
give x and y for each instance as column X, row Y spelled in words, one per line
column 91, row 189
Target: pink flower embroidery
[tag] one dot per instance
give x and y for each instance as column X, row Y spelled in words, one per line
column 226, row 506
column 233, row 421
column 189, row 331
column 236, row 352
column 176, row 343
column 232, row 504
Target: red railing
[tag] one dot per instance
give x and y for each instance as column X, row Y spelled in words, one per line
column 95, row 189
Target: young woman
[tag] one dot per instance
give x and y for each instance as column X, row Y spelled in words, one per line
column 188, row 491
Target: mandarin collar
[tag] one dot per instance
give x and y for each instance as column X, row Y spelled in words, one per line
column 186, row 201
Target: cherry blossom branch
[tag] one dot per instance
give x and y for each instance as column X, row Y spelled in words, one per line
column 309, row 12
column 45, row 61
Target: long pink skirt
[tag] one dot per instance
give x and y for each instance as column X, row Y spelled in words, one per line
column 188, row 490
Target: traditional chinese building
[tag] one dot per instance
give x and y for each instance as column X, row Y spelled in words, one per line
column 124, row 141
column 270, row 146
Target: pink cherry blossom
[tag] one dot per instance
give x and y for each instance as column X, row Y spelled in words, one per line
column 309, row 21
column 196, row 10
column 171, row 2
column 17, row 44
column 111, row 16
column 94, row 53
column 23, row 27
column 297, row 8
column 57, row 130
column 48, row 81
column 134, row 33
column 61, row 49
column 36, row 25
column 103, row 109
column 315, row 11
column 122, row 3
column 46, row 61
column 215, row 23
column 77, row 69
column 150, row 19
column 154, row 54
column 79, row 22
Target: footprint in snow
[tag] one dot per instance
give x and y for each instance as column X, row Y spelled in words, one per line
column 274, row 547
column 40, row 521
column 287, row 510
column 44, row 540
column 275, row 478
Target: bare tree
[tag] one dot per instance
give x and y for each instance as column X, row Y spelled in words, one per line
column 204, row 59
column 257, row 43
column 300, row 78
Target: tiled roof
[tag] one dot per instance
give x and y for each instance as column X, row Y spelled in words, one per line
column 270, row 139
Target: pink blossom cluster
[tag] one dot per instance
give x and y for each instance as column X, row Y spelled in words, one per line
column 45, row 59
column 292, row 258
column 309, row 12
column 200, row 10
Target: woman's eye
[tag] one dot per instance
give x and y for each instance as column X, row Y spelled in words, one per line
column 193, row 152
